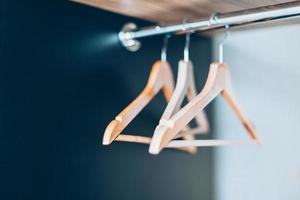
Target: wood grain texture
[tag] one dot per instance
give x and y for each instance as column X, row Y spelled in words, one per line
column 176, row 11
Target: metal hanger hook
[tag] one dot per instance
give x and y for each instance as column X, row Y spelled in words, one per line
column 221, row 44
column 163, row 55
column 186, row 51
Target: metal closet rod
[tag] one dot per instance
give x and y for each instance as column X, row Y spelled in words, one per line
column 130, row 32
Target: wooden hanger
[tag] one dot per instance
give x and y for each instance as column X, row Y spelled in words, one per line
column 218, row 82
column 185, row 86
column 160, row 78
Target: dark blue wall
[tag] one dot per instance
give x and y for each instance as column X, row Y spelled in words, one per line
column 63, row 77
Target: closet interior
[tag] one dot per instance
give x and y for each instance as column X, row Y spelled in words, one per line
column 150, row 99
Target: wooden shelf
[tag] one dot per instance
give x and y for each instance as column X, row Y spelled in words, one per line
column 176, row 11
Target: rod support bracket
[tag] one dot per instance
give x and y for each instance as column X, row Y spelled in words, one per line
column 126, row 37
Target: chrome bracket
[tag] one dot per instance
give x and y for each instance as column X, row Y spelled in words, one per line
column 126, row 37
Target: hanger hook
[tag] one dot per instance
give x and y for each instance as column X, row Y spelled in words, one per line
column 187, row 47
column 163, row 55
column 221, row 44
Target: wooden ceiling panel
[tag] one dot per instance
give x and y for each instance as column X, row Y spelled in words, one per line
column 176, row 11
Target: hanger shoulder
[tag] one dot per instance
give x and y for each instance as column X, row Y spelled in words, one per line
column 168, row 80
column 201, row 118
column 215, row 83
column 160, row 76
column 233, row 104
column 179, row 92
column 116, row 126
column 175, row 101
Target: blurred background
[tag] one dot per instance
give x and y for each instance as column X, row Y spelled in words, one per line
column 64, row 76
column 265, row 74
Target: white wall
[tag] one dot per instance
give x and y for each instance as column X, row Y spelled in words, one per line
column 265, row 66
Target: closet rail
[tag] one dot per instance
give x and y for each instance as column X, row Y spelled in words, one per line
column 130, row 33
